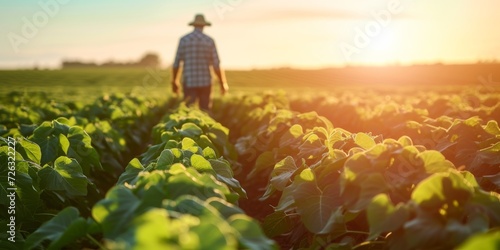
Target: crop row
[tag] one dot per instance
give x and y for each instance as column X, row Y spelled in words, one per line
column 181, row 193
column 380, row 111
column 71, row 160
column 330, row 188
column 118, row 126
column 311, row 183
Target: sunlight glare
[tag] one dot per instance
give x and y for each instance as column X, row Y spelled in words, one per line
column 383, row 49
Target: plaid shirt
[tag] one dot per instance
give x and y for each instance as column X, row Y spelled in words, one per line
column 198, row 52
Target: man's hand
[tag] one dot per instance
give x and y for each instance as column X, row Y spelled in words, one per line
column 175, row 86
column 224, row 88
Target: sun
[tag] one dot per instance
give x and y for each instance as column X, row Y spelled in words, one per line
column 384, row 42
column 383, row 48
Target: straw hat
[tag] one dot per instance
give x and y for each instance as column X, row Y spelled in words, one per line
column 199, row 20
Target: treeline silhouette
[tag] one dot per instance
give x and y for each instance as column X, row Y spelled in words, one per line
column 151, row 60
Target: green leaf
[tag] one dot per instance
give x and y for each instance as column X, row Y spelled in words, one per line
column 201, row 186
column 66, row 176
column 213, row 229
column 28, row 193
column 470, row 179
column 81, row 148
column 178, row 154
column 190, row 130
column 209, row 153
column 49, row 147
column 43, row 131
column 225, row 208
column 63, row 143
column 6, row 244
column 31, row 150
column 484, row 241
column 66, row 227
column 215, row 236
column 218, row 134
column 177, row 168
column 188, row 143
column 490, row 202
column 201, row 164
column 435, row 162
column 291, row 136
column 441, row 187
column 473, row 121
column 317, row 207
column 492, row 128
column 306, row 175
column 365, row 141
column 205, row 142
column 495, row 149
column 251, row 236
column 277, row 224
column 405, row 141
column 27, row 129
column 133, row 169
column 312, row 147
column 424, row 232
column 153, row 152
column 153, row 230
column 60, row 128
column 283, row 172
column 116, row 211
column 166, row 159
column 188, row 204
column 383, row 216
column 286, row 200
column 370, row 186
column 225, row 175
column 264, row 161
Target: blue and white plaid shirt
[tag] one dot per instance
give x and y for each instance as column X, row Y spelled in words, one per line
column 198, row 52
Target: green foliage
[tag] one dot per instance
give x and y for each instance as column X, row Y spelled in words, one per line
column 486, row 241
column 383, row 216
column 66, row 176
column 196, row 125
column 123, row 215
column 62, row 230
column 332, row 189
column 436, row 187
column 180, row 196
column 43, row 189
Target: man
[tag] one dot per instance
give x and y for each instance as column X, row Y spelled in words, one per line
column 197, row 51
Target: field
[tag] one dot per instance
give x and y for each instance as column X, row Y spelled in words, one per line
column 391, row 158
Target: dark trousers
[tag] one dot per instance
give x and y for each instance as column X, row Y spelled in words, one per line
column 200, row 94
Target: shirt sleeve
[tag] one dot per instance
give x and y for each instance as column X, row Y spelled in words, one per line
column 179, row 56
column 214, row 56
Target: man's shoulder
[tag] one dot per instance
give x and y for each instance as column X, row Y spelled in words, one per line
column 195, row 34
column 186, row 36
column 208, row 37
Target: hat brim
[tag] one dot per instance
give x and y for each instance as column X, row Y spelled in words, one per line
column 200, row 24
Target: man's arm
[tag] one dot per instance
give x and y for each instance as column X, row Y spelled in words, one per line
column 223, row 84
column 179, row 56
column 175, row 82
column 215, row 64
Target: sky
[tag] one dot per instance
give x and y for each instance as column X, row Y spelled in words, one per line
column 252, row 34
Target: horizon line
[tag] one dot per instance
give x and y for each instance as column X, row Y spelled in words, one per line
column 282, row 67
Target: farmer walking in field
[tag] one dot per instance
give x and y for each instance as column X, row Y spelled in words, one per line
column 197, row 51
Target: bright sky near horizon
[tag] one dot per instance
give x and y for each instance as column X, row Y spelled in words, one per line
column 252, row 33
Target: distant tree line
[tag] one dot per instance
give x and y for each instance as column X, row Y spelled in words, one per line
column 151, row 60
